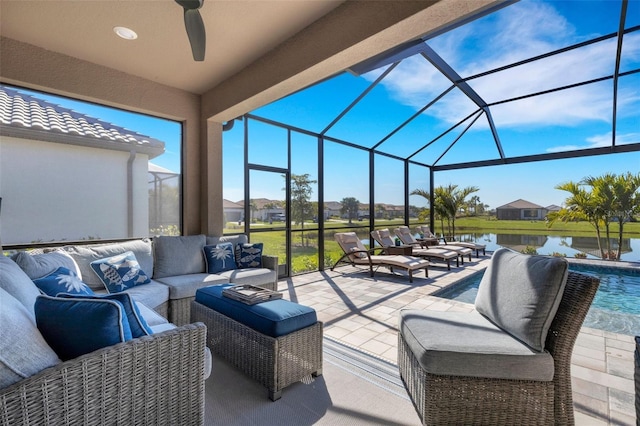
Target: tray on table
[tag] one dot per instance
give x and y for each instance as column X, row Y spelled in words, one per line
column 250, row 294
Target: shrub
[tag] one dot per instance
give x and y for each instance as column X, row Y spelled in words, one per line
column 580, row 255
column 529, row 250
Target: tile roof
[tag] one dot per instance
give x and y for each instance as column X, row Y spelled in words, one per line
column 26, row 116
column 520, row 204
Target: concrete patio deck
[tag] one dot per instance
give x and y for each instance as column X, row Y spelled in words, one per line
column 363, row 312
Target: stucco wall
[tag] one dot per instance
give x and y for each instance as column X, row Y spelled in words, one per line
column 68, row 192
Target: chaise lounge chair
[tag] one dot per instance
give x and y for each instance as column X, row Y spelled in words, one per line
column 405, row 235
column 427, row 236
column 383, row 237
column 449, row 240
column 355, row 253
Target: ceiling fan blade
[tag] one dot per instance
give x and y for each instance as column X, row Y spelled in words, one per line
column 195, row 30
column 195, row 27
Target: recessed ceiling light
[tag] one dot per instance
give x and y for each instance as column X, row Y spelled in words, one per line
column 125, row 33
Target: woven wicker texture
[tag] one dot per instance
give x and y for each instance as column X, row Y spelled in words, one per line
column 180, row 309
column 274, row 362
column 153, row 380
column 470, row 400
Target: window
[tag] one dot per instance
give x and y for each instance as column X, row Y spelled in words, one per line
column 72, row 170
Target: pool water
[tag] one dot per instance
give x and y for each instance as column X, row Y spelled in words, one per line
column 616, row 306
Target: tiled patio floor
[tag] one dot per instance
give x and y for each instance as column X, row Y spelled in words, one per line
column 363, row 311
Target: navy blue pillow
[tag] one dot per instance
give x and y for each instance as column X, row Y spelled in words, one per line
column 137, row 323
column 76, row 326
column 120, row 272
column 62, row 280
column 219, row 257
column 250, row 255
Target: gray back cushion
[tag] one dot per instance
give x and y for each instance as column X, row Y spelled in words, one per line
column 16, row 283
column 23, row 350
column 38, row 265
column 179, row 255
column 84, row 255
column 234, row 239
column 521, row 293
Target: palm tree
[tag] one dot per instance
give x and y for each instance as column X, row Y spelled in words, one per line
column 459, row 200
column 448, row 200
column 580, row 205
column 604, row 198
column 627, row 202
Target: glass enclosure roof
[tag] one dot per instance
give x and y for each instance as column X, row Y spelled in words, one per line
column 533, row 80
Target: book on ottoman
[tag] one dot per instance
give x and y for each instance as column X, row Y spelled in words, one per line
column 250, row 294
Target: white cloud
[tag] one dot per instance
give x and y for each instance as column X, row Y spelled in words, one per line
column 598, row 141
column 520, row 31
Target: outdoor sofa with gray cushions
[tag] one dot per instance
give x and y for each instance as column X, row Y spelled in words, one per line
column 175, row 266
column 156, row 377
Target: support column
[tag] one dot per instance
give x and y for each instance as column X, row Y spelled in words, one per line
column 212, row 213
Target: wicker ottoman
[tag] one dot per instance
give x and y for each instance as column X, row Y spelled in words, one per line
column 276, row 343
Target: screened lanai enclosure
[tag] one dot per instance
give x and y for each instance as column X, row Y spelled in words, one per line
column 527, row 89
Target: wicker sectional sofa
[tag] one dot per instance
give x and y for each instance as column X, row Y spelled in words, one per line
column 175, row 265
column 154, row 379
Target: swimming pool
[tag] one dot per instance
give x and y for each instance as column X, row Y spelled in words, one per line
column 616, row 306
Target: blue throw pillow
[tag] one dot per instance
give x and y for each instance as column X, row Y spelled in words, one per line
column 62, row 280
column 219, row 257
column 250, row 255
column 137, row 323
column 76, row 326
column 120, row 272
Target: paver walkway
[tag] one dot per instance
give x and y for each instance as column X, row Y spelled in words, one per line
column 363, row 312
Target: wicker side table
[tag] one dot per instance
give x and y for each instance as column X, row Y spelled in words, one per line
column 275, row 362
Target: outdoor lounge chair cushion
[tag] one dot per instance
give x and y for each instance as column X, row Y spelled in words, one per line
column 179, row 255
column 23, row 350
column 468, row 344
column 521, row 293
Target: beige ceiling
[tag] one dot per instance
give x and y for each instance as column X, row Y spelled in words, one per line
column 238, row 33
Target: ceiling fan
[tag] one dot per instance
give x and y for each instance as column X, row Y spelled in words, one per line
column 195, row 27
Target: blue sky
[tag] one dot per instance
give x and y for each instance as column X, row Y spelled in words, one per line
column 572, row 119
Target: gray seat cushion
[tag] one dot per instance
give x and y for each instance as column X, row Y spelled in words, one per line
column 251, row 276
column 16, row 283
column 153, row 294
column 521, row 293
column 468, row 344
column 181, row 286
column 178, row 255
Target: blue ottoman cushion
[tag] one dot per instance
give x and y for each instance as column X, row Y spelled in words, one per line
column 274, row 318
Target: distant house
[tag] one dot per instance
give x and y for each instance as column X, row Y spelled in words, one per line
column 79, row 158
column 332, row 208
column 233, row 212
column 521, row 210
column 553, row 208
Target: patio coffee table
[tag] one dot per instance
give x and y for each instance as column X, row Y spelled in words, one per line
column 277, row 343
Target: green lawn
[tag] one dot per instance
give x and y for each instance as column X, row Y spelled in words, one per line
column 305, row 252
